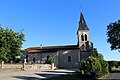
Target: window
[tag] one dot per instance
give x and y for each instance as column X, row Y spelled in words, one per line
column 26, row 58
column 69, row 58
column 85, row 37
column 48, row 57
column 47, row 61
column 34, row 59
column 82, row 37
column 81, row 21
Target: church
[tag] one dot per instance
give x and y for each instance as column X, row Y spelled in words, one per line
column 69, row 56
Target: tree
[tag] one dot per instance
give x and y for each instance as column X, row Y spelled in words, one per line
column 91, row 64
column 113, row 35
column 95, row 63
column 94, row 52
column 10, row 44
column 104, row 64
column 113, row 63
column 51, row 60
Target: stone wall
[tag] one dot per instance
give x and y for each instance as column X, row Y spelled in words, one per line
column 63, row 58
column 37, row 67
column 41, row 57
column 12, row 66
column 28, row 66
column 84, row 55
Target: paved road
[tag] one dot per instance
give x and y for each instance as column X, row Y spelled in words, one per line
column 114, row 75
column 32, row 75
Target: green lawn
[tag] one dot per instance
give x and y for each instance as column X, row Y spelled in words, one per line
column 116, row 68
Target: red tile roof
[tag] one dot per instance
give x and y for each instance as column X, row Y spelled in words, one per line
column 50, row 48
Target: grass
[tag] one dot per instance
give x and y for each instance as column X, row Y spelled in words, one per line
column 65, row 77
column 116, row 68
column 68, row 77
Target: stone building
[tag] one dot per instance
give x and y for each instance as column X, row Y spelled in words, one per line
column 69, row 56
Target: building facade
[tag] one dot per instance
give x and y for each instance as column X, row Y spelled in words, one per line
column 70, row 56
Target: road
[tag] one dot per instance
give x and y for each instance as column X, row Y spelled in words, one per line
column 112, row 76
column 32, row 75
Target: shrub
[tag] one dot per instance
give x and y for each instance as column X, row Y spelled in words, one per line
column 104, row 70
column 51, row 60
column 95, row 63
column 91, row 64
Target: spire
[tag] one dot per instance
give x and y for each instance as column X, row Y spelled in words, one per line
column 82, row 23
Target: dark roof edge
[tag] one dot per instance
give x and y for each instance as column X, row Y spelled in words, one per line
column 44, row 47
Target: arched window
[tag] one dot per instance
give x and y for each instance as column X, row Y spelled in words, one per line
column 82, row 37
column 69, row 58
column 47, row 61
column 85, row 37
column 34, row 59
column 48, row 57
column 26, row 58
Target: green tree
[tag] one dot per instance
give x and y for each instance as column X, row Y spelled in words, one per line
column 95, row 63
column 91, row 64
column 51, row 60
column 95, row 53
column 104, row 64
column 113, row 63
column 113, row 35
column 118, row 63
column 10, row 44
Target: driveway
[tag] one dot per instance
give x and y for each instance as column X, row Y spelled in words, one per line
column 31, row 75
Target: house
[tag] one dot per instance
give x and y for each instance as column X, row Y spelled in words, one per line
column 69, row 56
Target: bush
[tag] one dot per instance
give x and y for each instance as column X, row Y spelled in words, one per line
column 91, row 64
column 51, row 60
column 104, row 70
column 95, row 63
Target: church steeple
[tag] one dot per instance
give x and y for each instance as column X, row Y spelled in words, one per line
column 83, row 34
column 82, row 23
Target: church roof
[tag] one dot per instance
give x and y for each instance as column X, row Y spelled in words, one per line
column 50, row 48
column 82, row 23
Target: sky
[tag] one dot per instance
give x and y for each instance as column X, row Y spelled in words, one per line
column 55, row 22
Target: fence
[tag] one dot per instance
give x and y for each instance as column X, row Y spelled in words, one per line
column 27, row 66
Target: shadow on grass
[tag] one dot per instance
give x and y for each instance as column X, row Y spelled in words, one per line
column 71, row 77
column 60, row 72
column 26, row 78
column 41, row 76
column 55, row 77
column 47, row 74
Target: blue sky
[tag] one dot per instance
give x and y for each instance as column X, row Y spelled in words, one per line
column 55, row 22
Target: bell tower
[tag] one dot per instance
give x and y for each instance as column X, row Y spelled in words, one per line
column 83, row 34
